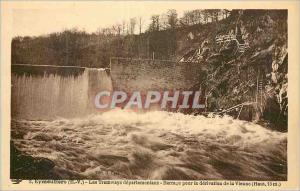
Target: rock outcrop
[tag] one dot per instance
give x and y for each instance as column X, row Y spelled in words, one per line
column 247, row 64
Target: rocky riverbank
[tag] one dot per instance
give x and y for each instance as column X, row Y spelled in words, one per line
column 27, row 167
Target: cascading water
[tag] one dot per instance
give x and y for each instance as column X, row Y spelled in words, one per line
column 49, row 96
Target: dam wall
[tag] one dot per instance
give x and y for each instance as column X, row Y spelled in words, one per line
column 158, row 75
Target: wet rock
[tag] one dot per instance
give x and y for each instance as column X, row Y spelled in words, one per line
column 27, row 167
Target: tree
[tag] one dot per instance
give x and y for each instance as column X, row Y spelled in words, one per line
column 140, row 24
column 154, row 26
column 172, row 18
column 132, row 25
column 163, row 22
column 117, row 29
column 205, row 16
column 123, row 27
column 194, row 17
column 213, row 14
column 225, row 13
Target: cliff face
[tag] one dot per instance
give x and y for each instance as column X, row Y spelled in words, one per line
column 249, row 67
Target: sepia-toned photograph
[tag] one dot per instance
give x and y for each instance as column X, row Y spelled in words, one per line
column 120, row 91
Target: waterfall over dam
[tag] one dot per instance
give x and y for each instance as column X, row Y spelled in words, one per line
column 49, row 92
column 42, row 92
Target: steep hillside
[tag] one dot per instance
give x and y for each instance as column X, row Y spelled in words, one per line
column 250, row 68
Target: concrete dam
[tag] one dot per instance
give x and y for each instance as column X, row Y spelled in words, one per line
column 48, row 92
column 144, row 75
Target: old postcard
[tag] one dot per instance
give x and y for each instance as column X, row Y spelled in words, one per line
column 149, row 95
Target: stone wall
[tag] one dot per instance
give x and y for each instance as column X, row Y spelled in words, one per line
column 141, row 75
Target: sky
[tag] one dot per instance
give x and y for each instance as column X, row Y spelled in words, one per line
column 42, row 19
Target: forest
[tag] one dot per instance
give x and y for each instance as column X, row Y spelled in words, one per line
column 163, row 38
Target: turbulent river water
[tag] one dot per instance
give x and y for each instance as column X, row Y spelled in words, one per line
column 52, row 117
column 156, row 145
